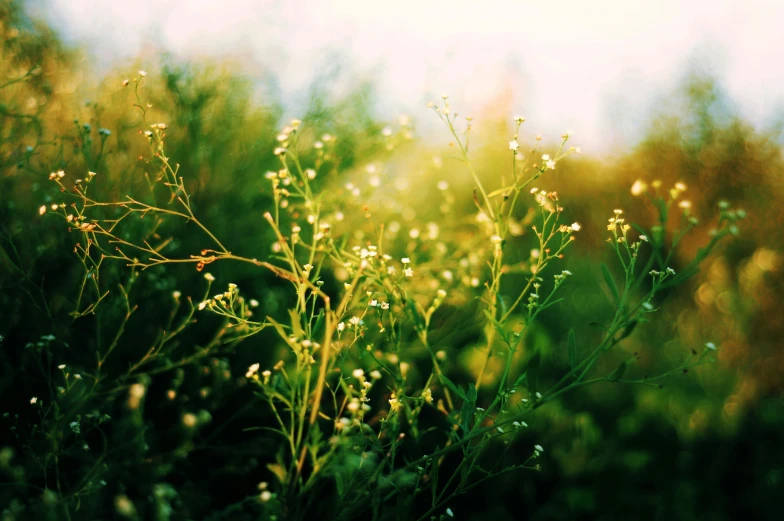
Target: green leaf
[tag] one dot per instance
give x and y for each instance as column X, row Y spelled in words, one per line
column 279, row 471
column 468, row 409
column 452, row 387
column 471, row 392
column 497, row 326
column 596, row 324
column 295, row 324
column 611, row 284
column 319, row 322
column 281, row 329
column 417, row 314
column 628, row 329
column 572, row 349
column 617, row 373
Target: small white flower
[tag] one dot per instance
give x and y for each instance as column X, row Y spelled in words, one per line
column 405, row 260
column 514, row 145
column 711, row 346
column 42, row 210
column 639, row 187
column 449, row 512
column 358, row 373
column 33, row 400
column 408, row 272
column 551, row 164
column 265, row 496
column 575, row 227
column 375, row 375
column 538, row 448
column 142, row 73
column 341, row 326
column 538, row 395
column 209, row 277
column 546, row 157
column 385, row 305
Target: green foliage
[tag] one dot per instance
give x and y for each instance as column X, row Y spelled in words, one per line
column 356, row 366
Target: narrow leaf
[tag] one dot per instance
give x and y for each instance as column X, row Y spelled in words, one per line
column 611, row 284
column 414, row 311
column 471, row 392
column 295, row 324
column 617, row 373
column 596, row 324
column 452, row 387
column 497, row 326
column 628, row 329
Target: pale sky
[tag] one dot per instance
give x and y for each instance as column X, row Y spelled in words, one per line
column 594, row 67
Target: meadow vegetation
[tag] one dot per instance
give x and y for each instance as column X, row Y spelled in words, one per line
column 209, row 312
